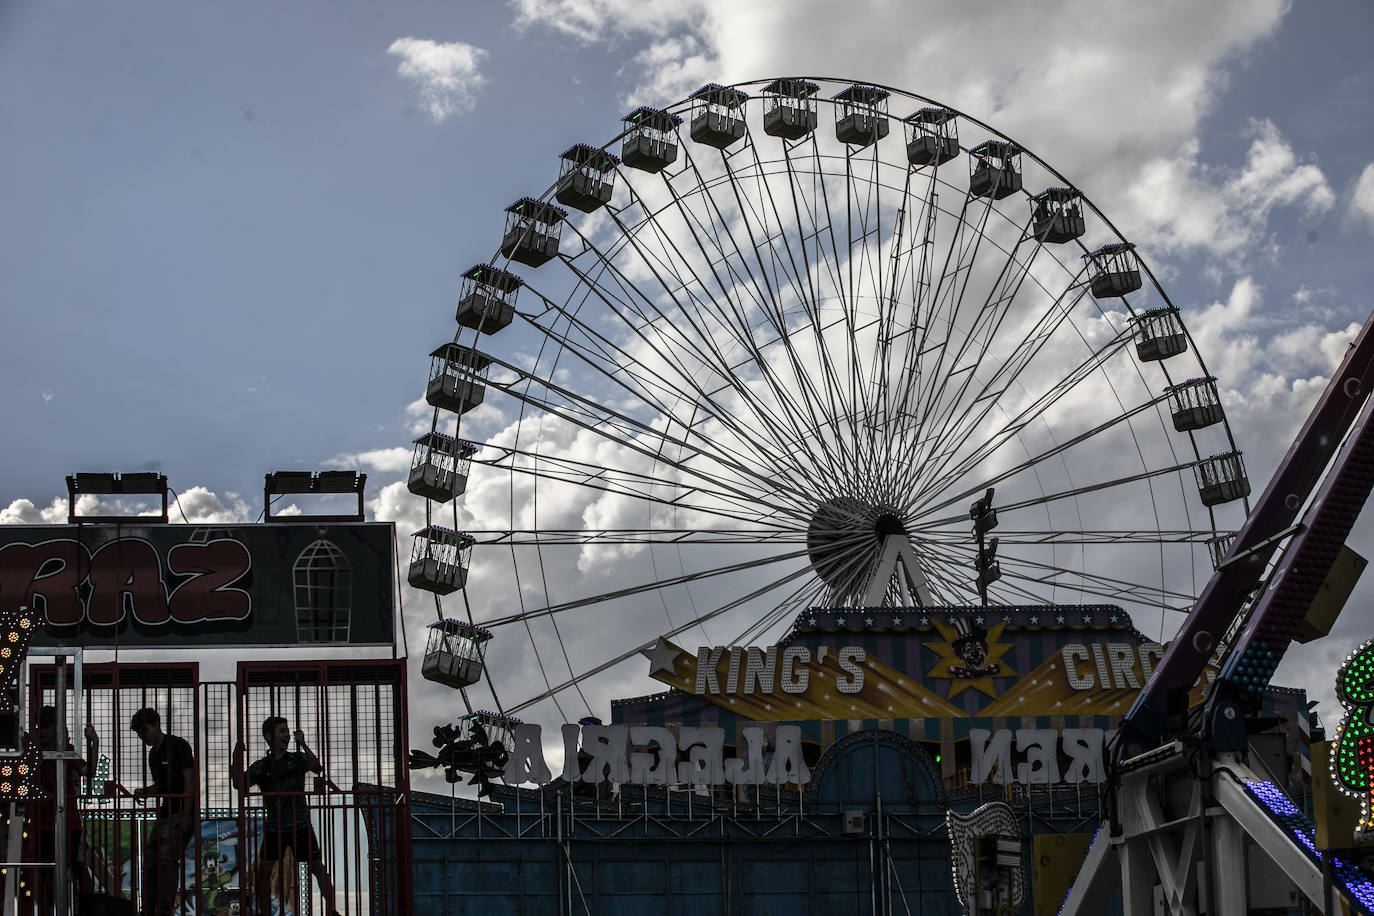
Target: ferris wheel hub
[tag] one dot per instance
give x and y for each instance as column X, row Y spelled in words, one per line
column 845, row 537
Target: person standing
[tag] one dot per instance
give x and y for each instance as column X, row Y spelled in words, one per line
column 280, row 775
column 40, row 840
column 172, row 765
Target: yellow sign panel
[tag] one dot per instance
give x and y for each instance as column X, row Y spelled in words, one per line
column 787, row 683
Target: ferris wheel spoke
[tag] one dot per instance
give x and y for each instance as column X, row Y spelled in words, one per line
column 804, row 596
column 798, row 416
column 1093, row 583
column 944, row 307
column 634, row 435
column 1058, row 495
column 613, row 363
column 973, row 402
column 723, row 505
column 620, row 368
column 912, row 266
column 851, row 385
column 946, row 578
column 579, row 537
column 866, row 213
column 1081, row 537
column 960, row 417
column 942, row 483
column 694, row 622
column 815, row 222
column 642, row 588
column 1023, row 575
column 939, row 475
column 703, row 347
column 1008, row 590
column 805, row 405
column 795, row 395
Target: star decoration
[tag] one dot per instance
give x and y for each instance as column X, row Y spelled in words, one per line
column 811, row 622
column 868, row 621
column 839, row 621
column 1112, row 618
column 662, row 657
column 1034, row 619
column 1087, row 618
column 1060, row 618
column 978, row 620
column 892, row 709
column 896, row 621
column 925, row 621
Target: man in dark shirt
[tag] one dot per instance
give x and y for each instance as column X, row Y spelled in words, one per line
column 173, row 768
column 286, row 816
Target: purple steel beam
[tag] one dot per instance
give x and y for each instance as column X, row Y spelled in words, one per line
column 1276, row 510
column 1305, row 564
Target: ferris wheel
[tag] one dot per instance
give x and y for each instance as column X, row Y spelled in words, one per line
column 794, row 343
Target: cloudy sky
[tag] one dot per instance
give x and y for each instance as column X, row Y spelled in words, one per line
column 231, row 234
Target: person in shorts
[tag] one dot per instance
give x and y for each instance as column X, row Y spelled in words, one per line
column 280, row 776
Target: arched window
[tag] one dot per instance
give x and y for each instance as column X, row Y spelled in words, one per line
column 324, row 593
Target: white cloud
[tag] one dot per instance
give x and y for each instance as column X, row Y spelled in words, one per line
column 588, row 20
column 1273, row 176
column 1269, row 373
column 394, row 460
column 446, row 72
column 24, row 512
column 1179, row 205
column 201, row 506
column 1362, row 200
column 1112, row 97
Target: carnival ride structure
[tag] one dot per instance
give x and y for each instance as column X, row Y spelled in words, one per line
column 754, row 355
column 767, row 370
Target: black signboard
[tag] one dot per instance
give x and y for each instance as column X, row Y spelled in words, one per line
column 196, row 585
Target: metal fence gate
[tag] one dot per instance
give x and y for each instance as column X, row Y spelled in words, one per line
column 353, row 715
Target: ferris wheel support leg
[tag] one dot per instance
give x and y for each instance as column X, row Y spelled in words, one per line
column 1246, row 817
column 1138, row 879
column 1096, row 879
column 1227, row 882
column 1159, row 848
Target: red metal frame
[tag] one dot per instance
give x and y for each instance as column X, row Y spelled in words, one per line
column 355, row 714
